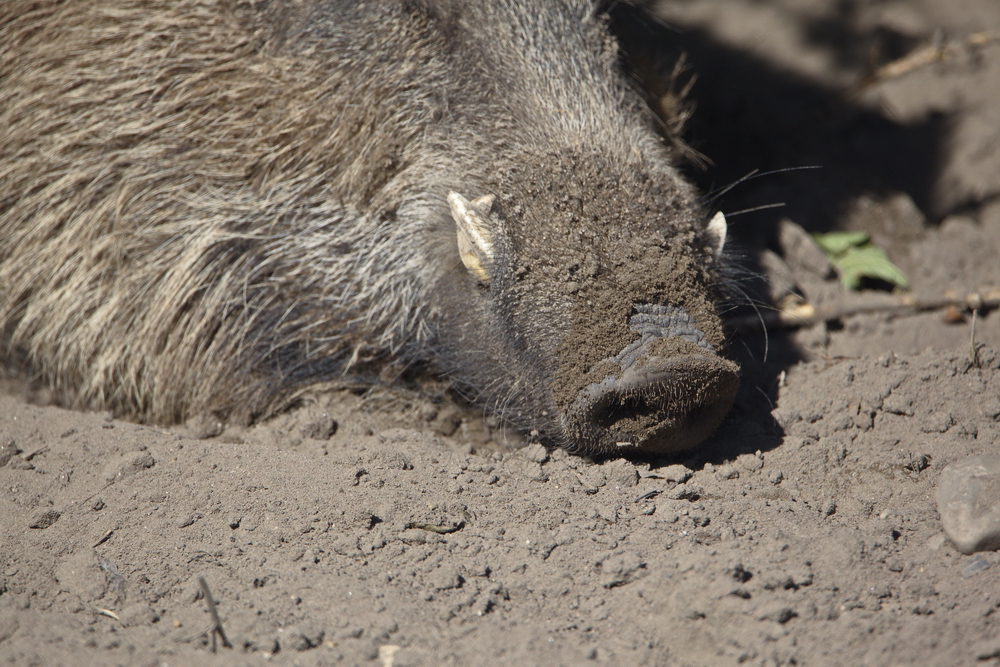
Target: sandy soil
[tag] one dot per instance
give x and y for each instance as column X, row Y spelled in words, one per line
column 397, row 529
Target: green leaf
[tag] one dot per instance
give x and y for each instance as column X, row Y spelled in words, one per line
column 855, row 258
column 835, row 244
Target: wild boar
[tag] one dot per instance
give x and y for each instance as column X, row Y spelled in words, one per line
column 208, row 206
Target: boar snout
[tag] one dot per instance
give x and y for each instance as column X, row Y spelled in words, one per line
column 664, row 392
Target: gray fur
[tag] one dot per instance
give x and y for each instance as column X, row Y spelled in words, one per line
column 210, row 207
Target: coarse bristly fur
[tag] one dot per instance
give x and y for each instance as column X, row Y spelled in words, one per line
column 207, row 206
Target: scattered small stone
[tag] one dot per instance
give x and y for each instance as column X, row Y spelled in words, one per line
column 750, row 462
column 592, row 477
column 8, row 450
column 526, row 468
column 43, row 520
column 727, row 471
column 535, row 452
column 880, row 591
column 968, row 500
column 20, row 463
column 937, row 423
column 321, row 428
column 127, row 465
column 608, row 512
column 684, row 492
column 300, row 637
column 778, row 613
column 829, row 508
column 621, row 474
column 776, row 477
column 741, row 573
column 621, row 568
column 447, row 578
column 676, row 473
column 975, row 566
column 918, row 463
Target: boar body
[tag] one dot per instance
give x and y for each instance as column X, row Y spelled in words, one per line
column 209, row 207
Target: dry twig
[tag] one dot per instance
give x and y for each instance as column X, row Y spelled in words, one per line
column 804, row 315
column 937, row 52
column 216, row 623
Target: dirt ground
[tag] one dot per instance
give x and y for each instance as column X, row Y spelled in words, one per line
column 390, row 529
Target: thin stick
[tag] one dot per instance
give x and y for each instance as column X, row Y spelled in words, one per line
column 973, row 352
column 107, row 536
column 217, row 624
column 922, row 57
column 805, row 315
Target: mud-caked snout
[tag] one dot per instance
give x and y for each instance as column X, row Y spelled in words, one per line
column 665, row 392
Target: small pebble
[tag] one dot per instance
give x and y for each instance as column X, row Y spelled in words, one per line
column 778, row 613
column 968, row 500
column 535, row 452
column 684, row 492
column 974, row 566
column 675, row 473
column 322, row 428
column 608, row 512
column 127, row 465
column 727, row 471
column 43, row 520
column 300, row 637
column 621, row 474
column 8, row 450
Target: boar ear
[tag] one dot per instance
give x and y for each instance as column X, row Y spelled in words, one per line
column 717, row 232
column 475, row 239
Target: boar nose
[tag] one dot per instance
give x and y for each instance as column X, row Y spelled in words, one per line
column 670, row 393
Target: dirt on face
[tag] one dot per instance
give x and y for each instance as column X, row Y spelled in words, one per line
column 397, row 529
column 594, row 242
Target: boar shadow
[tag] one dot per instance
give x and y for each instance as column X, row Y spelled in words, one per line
column 750, row 115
